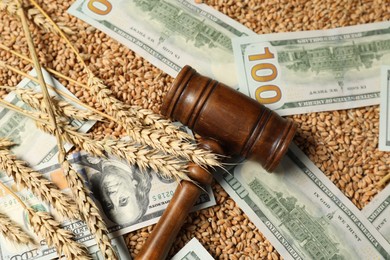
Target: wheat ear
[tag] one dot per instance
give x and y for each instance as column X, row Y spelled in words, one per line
column 152, row 137
column 38, row 19
column 45, row 226
column 39, row 185
column 89, row 211
column 13, row 232
column 63, row 108
column 4, row 143
column 9, row 6
column 168, row 166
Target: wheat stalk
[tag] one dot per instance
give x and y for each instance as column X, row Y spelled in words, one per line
column 39, row 185
column 13, row 232
column 44, row 225
column 89, row 211
column 37, row 66
column 63, row 108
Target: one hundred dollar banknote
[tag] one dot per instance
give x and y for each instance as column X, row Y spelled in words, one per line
column 312, row 71
column 128, row 199
column 302, row 213
column 119, row 246
column 378, row 212
column 169, row 33
column 193, row 250
column 384, row 116
column 31, row 143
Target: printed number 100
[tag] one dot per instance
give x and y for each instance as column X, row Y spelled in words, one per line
column 267, row 93
column 101, row 7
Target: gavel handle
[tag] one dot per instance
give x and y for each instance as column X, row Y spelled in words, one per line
column 160, row 241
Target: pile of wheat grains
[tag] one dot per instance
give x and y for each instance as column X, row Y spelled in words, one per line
column 343, row 144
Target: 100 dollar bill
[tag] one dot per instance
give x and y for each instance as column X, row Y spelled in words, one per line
column 302, row 72
column 119, row 246
column 169, row 33
column 384, row 117
column 193, row 250
column 302, row 213
column 128, row 200
column 378, row 212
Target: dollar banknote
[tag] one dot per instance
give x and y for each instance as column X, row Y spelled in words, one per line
column 378, row 212
column 384, row 117
column 193, row 250
column 302, row 213
column 119, row 246
column 128, row 200
column 32, row 144
column 169, row 33
column 302, row 72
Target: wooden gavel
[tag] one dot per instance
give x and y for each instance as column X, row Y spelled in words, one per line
column 230, row 123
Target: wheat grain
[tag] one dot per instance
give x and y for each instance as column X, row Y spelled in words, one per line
column 44, row 225
column 40, row 186
column 13, row 232
column 63, row 108
column 89, row 211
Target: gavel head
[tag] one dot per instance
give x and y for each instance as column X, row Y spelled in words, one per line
column 242, row 126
